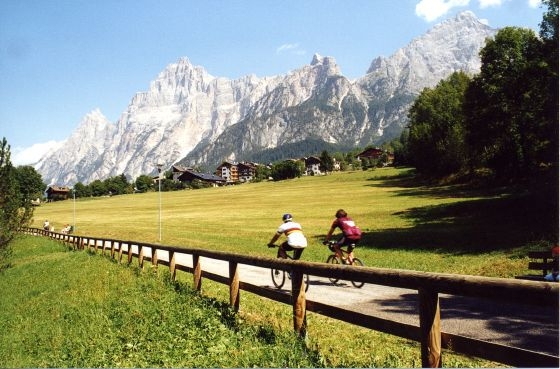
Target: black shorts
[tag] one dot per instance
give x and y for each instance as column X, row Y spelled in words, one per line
column 348, row 242
column 297, row 250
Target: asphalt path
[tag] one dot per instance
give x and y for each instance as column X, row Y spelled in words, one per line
column 529, row 327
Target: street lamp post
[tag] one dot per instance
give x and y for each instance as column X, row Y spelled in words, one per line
column 74, row 218
column 159, row 166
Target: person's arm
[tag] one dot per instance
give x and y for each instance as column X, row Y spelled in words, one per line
column 329, row 234
column 274, row 238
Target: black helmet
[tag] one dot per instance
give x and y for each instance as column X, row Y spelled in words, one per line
column 287, row 217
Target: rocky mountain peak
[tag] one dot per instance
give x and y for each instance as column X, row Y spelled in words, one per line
column 192, row 117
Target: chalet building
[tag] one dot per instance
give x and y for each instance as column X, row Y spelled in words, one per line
column 189, row 176
column 55, row 193
column 376, row 153
column 228, row 171
column 312, row 166
column 246, row 171
column 177, row 170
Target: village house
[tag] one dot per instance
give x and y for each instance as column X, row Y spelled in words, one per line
column 178, row 170
column 375, row 153
column 228, row 171
column 312, row 166
column 189, row 176
column 55, row 193
column 246, row 171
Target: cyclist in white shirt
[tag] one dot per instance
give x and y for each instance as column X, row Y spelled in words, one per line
column 295, row 241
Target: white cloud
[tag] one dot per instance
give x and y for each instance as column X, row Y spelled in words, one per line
column 31, row 155
column 431, row 10
column 534, row 3
column 291, row 48
column 489, row 3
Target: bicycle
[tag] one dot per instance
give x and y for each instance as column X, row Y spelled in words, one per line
column 334, row 259
column 279, row 275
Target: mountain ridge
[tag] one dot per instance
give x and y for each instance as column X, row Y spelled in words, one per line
column 190, row 117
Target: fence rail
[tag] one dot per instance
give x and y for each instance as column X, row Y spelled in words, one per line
column 429, row 286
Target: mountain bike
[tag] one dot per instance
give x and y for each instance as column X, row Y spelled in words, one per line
column 333, row 259
column 279, row 276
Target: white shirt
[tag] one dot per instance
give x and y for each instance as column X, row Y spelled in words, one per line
column 294, row 234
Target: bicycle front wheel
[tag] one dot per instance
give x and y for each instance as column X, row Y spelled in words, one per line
column 332, row 259
column 357, row 262
column 278, row 277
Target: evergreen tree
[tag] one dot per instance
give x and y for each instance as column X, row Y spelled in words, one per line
column 327, row 163
column 14, row 211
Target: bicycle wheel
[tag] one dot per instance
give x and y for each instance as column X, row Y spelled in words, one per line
column 332, row 259
column 357, row 262
column 278, row 277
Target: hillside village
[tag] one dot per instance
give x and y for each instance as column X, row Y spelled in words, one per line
column 230, row 172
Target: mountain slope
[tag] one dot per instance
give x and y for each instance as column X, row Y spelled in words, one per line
column 191, row 117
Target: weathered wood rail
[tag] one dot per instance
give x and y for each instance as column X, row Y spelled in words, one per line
column 428, row 285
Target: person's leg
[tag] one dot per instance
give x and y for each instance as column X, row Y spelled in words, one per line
column 282, row 250
column 297, row 253
column 351, row 244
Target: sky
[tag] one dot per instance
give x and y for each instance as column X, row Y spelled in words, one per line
column 61, row 59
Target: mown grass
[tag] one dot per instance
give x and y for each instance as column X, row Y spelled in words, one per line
column 72, row 309
column 407, row 224
column 62, row 308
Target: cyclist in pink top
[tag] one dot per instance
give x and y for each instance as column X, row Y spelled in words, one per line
column 351, row 234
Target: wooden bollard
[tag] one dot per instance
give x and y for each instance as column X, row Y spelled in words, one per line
column 172, row 270
column 234, row 285
column 299, row 304
column 154, row 258
column 197, row 273
column 430, row 330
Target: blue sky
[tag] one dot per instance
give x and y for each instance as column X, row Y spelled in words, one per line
column 61, row 59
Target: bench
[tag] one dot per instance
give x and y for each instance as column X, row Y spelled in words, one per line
column 542, row 261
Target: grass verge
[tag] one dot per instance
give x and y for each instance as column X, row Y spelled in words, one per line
column 75, row 309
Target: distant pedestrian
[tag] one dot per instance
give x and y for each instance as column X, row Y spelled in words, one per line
column 46, row 225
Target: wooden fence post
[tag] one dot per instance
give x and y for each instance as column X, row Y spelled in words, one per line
column 172, row 265
column 298, row 304
column 430, row 332
column 141, row 256
column 197, row 272
column 113, row 249
column 129, row 253
column 154, row 258
column 234, row 285
column 120, row 252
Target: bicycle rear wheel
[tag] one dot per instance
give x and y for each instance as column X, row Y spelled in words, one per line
column 278, row 277
column 332, row 259
column 357, row 262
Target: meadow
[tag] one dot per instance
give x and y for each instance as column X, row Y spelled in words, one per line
column 407, row 224
column 94, row 312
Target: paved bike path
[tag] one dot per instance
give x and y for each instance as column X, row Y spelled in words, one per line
column 530, row 327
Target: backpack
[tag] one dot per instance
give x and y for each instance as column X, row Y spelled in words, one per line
column 350, row 229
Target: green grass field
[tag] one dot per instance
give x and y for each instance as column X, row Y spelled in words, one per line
column 79, row 299
column 407, row 224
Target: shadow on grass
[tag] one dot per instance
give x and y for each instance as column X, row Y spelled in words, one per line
column 481, row 220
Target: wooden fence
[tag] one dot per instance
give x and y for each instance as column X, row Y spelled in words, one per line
column 428, row 285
